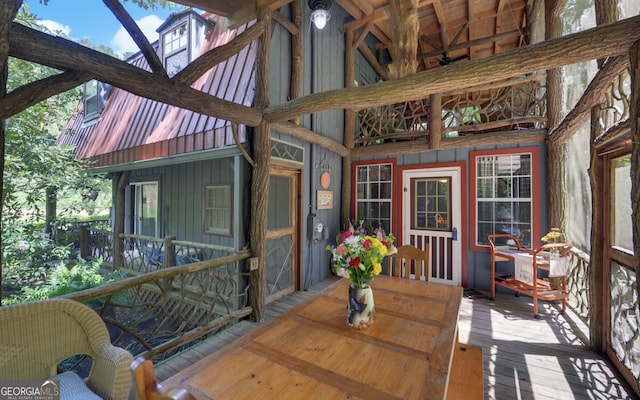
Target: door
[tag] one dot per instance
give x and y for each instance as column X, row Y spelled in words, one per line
column 283, row 266
column 145, row 209
column 431, row 212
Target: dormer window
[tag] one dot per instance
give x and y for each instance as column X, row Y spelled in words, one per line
column 181, row 39
column 95, row 94
column 174, row 44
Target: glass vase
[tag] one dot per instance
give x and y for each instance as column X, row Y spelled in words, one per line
column 361, row 307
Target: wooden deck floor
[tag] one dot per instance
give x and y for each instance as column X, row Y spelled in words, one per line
column 523, row 358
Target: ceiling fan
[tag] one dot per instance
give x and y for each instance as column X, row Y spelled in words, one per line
column 446, row 60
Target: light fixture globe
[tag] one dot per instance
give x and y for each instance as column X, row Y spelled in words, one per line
column 320, row 12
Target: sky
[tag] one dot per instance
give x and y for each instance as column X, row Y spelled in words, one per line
column 91, row 19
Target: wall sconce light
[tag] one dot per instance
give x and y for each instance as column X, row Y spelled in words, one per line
column 320, row 12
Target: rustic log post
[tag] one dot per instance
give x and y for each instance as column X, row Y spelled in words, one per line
column 556, row 152
column 297, row 54
column 119, row 182
column 169, row 252
column 634, row 56
column 260, row 175
column 349, row 128
column 85, row 242
column 404, row 18
column 435, row 120
column 597, row 270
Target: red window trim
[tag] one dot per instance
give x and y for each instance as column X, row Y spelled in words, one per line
column 394, row 175
column 535, row 191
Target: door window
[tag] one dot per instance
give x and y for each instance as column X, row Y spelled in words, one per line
column 431, row 204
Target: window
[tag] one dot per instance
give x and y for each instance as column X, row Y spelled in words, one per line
column 373, row 194
column 217, row 209
column 94, row 96
column 502, row 194
column 620, row 200
column 175, row 48
column 430, row 205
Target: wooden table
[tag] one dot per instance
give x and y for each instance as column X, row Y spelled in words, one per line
column 310, row 352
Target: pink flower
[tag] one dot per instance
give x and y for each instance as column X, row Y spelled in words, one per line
column 367, row 244
column 341, row 250
column 346, row 234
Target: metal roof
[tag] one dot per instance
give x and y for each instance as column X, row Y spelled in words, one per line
column 131, row 128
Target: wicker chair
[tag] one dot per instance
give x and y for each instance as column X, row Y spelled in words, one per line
column 36, row 336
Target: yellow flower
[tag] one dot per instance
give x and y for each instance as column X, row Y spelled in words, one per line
column 377, row 268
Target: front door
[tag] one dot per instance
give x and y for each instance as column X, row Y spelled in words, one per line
column 431, row 202
column 282, row 233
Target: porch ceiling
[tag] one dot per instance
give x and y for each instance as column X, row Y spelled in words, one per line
column 472, row 29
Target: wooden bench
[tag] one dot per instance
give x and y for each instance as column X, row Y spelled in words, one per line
column 466, row 378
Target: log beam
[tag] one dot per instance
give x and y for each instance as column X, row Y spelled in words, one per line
column 593, row 95
column 215, row 56
column 136, row 34
column 34, row 92
column 603, row 41
column 419, row 146
column 31, row 45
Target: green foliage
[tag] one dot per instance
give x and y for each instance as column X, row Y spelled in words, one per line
column 63, row 280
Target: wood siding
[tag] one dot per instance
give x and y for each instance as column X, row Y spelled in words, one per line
column 180, row 198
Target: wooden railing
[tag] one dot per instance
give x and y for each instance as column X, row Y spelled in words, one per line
column 172, row 293
column 578, row 284
column 516, row 105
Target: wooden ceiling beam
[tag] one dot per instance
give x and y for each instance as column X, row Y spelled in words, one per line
column 380, row 14
column 442, row 21
column 471, row 43
column 250, row 12
column 602, row 41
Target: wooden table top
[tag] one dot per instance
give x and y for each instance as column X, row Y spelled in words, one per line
column 310, row 352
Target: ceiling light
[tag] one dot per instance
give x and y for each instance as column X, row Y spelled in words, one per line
column 320, row 12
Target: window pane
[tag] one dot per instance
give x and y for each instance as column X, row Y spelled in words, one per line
column 503, row 202
column 373, row 194
column 217, row 209
column 621, row 224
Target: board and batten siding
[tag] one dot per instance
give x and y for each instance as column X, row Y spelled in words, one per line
column 180, row 198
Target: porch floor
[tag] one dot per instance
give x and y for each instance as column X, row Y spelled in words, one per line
column 523, row 358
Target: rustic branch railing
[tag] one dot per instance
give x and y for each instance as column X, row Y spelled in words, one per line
column 174, row 293
column 578, row 283
column 515, row 105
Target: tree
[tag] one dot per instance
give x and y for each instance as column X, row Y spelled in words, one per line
column 35, row 165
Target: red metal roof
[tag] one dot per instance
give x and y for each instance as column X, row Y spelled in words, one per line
column 133, row 128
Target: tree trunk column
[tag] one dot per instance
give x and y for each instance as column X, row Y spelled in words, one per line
column 349, row 128
column 260, row 176
column 556, row 152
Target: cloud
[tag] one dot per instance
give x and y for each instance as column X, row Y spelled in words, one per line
column 122, row 43
column 56, row 28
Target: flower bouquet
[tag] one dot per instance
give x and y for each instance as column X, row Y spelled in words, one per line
column 358, row 257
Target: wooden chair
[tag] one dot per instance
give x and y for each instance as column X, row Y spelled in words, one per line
column 410, row 258
column 147, row 386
